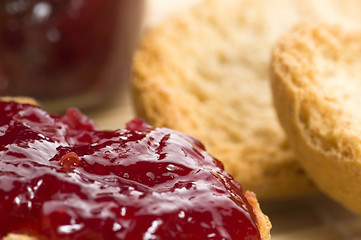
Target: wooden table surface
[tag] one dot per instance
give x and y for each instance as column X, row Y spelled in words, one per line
column 309, row 218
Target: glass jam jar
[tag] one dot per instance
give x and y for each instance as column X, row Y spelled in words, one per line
column 67, row 52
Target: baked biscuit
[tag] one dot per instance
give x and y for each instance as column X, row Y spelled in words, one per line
column 205, row 72
column 316, row 87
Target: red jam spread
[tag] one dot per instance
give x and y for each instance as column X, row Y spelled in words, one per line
column 60, row 178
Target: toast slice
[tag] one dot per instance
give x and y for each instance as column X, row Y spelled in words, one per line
column 316, row 84
column 205, row 72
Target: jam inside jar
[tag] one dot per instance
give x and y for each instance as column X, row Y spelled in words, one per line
column 67, row 52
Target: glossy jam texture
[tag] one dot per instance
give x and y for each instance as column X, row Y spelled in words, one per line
column 60, row 178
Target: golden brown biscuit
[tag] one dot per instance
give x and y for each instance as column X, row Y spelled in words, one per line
column 316, row 86
column 205, row 72
column 263, row 222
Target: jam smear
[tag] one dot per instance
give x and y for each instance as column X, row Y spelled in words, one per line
column 60, row 178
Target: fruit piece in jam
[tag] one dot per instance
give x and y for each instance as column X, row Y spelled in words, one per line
column 60, row 178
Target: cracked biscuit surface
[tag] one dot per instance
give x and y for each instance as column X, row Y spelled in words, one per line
column 206, row 72
column 316, row 86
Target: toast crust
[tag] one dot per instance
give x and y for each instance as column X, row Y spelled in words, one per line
column 315, row 80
